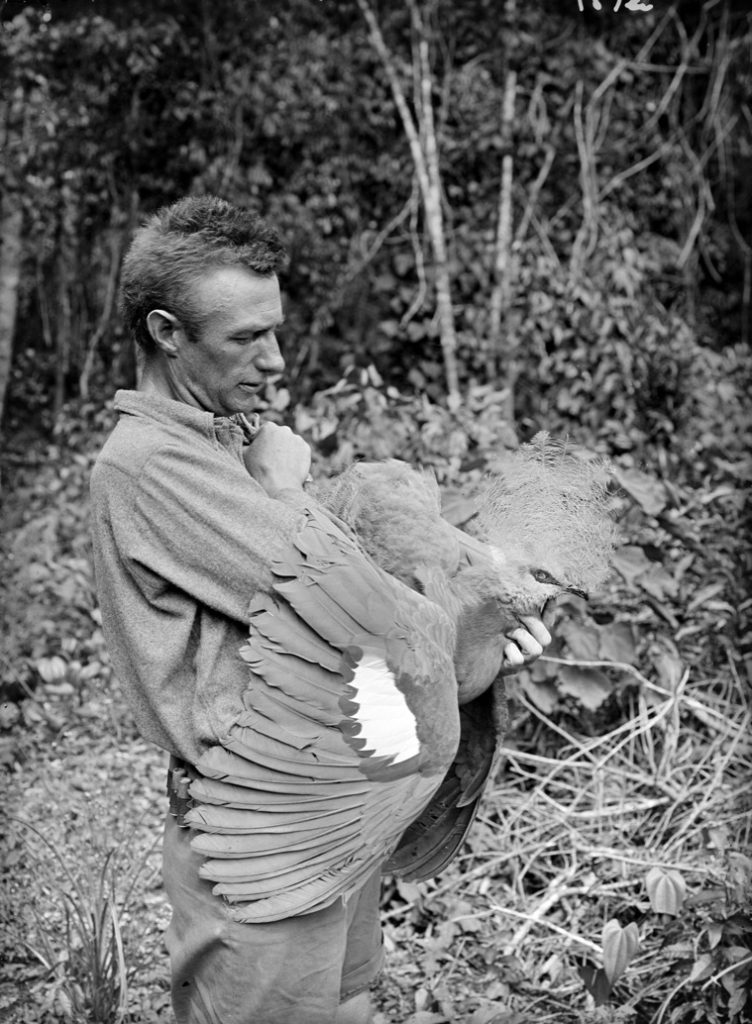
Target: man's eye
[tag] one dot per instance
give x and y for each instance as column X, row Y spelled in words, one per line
column 248, row 339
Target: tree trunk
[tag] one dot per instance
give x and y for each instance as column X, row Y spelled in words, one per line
column 424, row 150
column 434, row 214
column 500, row 353
column 116, row 242
column 11, row 225
column 66, row 270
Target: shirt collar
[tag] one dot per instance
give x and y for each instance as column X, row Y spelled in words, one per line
column 171, row 413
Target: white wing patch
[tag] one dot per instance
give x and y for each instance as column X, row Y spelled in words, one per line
column 387, row 724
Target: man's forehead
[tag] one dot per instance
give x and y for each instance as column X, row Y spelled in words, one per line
column 231, row 280
column 236, row 293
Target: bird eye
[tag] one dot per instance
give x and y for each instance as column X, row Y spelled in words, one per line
column 541, row 576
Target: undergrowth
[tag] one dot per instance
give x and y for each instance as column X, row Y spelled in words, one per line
column 79, row 926
column 608, row 877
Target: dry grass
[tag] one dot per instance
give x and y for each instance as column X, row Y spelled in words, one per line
column 564, row 844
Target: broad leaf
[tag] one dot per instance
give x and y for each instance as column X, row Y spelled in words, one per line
column 666, row 890
column 589, row 685
column 619, row 947
column 649, row 493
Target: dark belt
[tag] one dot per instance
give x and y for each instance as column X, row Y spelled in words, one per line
column 180, row 774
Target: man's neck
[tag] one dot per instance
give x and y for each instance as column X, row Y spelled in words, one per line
column 153, row 380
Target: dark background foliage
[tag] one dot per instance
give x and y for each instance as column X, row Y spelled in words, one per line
column 112, row 110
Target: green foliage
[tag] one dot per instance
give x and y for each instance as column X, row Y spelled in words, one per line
column 711, row 945
column 50, row 607
column 82, row 938
column 287, row 110
column 361, row 417
column 711, row 952
column 723, row 974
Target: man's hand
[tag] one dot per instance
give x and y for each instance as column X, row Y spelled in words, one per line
column 526, row 644
column 278, row 459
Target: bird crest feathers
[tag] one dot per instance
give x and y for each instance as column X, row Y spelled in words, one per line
column 546, row 502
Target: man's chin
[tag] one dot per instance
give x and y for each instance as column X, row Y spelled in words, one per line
column 244, row 399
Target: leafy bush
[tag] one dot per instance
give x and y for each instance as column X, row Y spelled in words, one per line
column 50, row 607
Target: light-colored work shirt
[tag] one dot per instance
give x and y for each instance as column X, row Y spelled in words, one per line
column 183, row 538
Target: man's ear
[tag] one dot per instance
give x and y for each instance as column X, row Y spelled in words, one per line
column 165, row 330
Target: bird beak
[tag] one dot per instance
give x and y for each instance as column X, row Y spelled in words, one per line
column 578, row 592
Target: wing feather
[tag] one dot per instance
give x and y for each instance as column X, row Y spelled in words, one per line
column 243, row 869
column 241, row 821
column 266, row 848
column 317, row 892
column 223, row 765
column 316, row 779
column 252, row 742
column 433, row 839
column 305, row 643
column 209, row 791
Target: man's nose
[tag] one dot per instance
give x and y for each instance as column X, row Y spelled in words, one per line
column 268, row 358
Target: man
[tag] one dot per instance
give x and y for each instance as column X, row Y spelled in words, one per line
column 190, row 506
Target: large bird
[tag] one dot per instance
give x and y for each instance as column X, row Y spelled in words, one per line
column 374, row 707
column 541, row 529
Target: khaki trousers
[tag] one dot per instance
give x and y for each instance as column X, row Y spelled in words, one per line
column 295, row 971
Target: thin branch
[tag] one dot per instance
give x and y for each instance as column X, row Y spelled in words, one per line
column 502, row 268
column 420, row 264
column 533, row 195
column 553, row 927
column 368, row 256
column 618, row 179
column 557, row 890
column 585, row 239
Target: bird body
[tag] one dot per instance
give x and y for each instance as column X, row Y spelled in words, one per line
column 375, row 705
column 350, row 725
column 541, row 530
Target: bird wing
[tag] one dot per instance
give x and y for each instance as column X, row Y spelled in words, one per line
column 350, row 722
column 433, row 839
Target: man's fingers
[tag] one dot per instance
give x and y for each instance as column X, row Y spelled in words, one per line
column 513, row 656
column 278, row 458
column 527, row 644
column 537, row 629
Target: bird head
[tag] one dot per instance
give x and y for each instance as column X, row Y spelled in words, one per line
column 545, row 532
column 531, row 579
column 545, row 519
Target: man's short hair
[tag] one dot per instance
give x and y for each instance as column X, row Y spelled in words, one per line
column 177, row 245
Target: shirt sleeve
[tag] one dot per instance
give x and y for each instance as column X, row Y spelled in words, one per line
column 206, row 527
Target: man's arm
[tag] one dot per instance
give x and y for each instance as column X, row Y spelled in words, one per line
column 196, row 520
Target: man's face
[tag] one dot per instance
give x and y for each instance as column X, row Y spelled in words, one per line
column 236, row 351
